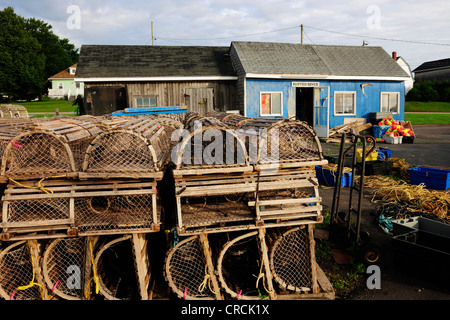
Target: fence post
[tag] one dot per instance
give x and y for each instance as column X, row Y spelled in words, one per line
column 57, row 111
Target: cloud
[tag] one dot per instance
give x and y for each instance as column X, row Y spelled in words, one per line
column 218, row 22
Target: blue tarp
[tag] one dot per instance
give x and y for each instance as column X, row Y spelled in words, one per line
column 153, row 110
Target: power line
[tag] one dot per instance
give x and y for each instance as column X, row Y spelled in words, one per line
column 379, row 38
column 299, row 26
column 233, row 37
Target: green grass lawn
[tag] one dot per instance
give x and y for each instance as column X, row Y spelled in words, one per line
column 48, row 106
column 416, row 118
column 417, row 106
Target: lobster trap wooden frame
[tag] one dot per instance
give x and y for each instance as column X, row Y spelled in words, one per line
column 48, row 148
column 58, row 208
column 194, row 154
column 109, row 287
column 20, row 272
column 281, row 263
column 230, row 202
column 134, row 148
column 281, row 142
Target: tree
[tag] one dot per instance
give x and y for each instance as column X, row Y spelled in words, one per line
column 30, row 53
column 21, row 60
column 59, row 53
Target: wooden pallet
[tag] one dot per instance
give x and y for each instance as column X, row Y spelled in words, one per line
column 75, row 204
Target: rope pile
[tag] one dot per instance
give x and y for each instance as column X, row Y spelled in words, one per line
column 415, row 197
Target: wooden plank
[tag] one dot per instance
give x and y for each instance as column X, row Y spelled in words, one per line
column 183, row 172
column 265, row 262
column 79, row 194
column 308, row 211
column 210, row 267
column 285, row 201
column 21, row 224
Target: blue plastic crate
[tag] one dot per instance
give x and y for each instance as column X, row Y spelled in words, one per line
column 328, row 177
column 384, row 153
column 431, row 177
column 379, row 131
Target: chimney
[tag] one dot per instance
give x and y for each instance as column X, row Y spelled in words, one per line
column 394, row 55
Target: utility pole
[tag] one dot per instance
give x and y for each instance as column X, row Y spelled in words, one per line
column 302, row 32
column 153, row 36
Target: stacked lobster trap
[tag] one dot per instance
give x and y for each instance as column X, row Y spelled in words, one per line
column 246, row 203
column 80, row 188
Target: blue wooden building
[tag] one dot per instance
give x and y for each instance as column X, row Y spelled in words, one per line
column 319, row 84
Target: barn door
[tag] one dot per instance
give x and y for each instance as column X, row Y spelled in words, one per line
column 321, row 111
column 105, row 100
column 200, row 100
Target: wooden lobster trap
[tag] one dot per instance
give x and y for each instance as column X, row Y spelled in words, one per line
column 277, row 263
column 281, row 143
column 20, row 272
column 123, row 267
column 210, row 149
column 243, row 267
column 49, row 148
column 55, row 208
column 130, row 147
column 67, row 267
column 226, row 202
column 189, row 270
column 296, row 274
column 13, row 111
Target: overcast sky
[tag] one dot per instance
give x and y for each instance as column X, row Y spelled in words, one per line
column 417, row 29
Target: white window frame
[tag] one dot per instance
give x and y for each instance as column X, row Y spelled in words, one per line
column 389, row 93
column 60, row 85
column 270, row 114
column 354, row 104
column 141, row 97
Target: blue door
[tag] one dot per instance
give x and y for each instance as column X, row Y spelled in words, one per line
column 321, row 111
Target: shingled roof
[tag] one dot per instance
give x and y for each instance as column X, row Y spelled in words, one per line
column 64, row 74
column 136, row 61
column 433, row 65
column 287, row 59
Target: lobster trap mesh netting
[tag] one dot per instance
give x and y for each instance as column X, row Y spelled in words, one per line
column 185, row 270
column 282, row 141
column 20, row 273
column 103, row 213
column 38, row 210
column 116, row 266
column 118, row 151
column 240, row 266
column 63, row 267
column 210, row 146
column 212, row 210
column 290, row 260
column 38, row 153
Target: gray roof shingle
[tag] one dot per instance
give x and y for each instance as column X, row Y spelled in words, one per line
column 332, row 60
column 111, row 61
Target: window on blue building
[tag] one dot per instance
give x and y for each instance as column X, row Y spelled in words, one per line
column 271, row 103
column 344, row 103
column 390, row 102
